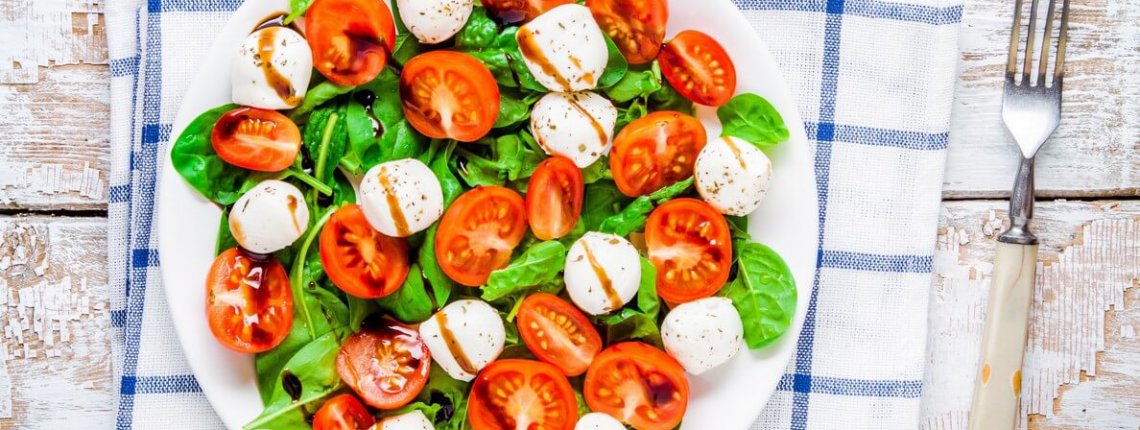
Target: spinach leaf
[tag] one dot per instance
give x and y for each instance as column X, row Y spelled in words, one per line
column 296, row 9
column 326, row 139
column 503, row 58
column 441, row 285
column 667, row 98
column 343, row 193
column 615, row 68
column 603, row 200
column 358, row 310
column 226, row 238
column 407, row 46
column 638, row 322
column 313, row 369
column 479, row 32
column 450, row 395
column 514, row 108
column 598, row 171
column 397, row 139
column 194, row 158
column 316, row 96
column 764, row 292
column 441, row 166
column 627, row 114
column 636, row 83
column 752, row 118
column 512, row 158
column 540, row 264
column 739, row 227
column 633, row 217
column 411, row 303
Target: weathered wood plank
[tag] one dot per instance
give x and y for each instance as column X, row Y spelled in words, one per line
column 55, row 353
column 49, row 32
column 1096, row 150
column 1090, row 253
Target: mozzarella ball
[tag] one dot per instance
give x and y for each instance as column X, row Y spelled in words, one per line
column 400, row 198
column 414, row 420
column 732, row 175
column 598, row 421
column 464, row 337
column 564, row 48
column 703, row 334
column 578, row 126
column 603, row 272
column 272, row 69
column 269, row 217
column 434, row 21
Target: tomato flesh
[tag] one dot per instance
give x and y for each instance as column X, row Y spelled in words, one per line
column 554, row 198
column 478, row 233
column 249, row 305
column 449, row 95
column 699, row 68
column 655, row 151
column 558, row 333
column 256, row 139
column 521, row 394
column 343, row 412
column 637, row 27
column 351, row 39
column 517, row 11
column 360, row 260
column 638, row 384
column 690, row 245
column 386, row 363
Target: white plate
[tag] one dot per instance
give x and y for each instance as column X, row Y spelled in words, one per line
column 727, row 398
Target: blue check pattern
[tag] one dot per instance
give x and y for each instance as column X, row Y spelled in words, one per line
column 874, row 81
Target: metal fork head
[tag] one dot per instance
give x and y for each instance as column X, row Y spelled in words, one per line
column 1031, row 109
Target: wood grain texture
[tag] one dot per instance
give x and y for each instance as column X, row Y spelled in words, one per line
column 49, row 32
column 1090, row 254
column 55, row 356
column 1096, row 150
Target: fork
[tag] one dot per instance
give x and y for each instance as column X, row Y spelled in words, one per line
column 1031, row 111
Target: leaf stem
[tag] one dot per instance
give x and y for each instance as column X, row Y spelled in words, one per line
column 297, row 273
column 309, row 180
column 323, row 150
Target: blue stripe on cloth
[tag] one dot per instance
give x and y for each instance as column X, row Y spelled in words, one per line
column 119, row 193
column 864, row 8
column 876, row 262
column 909, row 389
column 142, row 258
column 872, row 136
column 158, row 6
column 118, row 317
column 132, row 385
column 121, row 67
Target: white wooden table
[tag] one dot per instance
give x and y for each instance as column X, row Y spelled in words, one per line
column 1084, row 365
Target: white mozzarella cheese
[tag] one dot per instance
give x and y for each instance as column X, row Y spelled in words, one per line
column 272, row 69
column 598, row 421
column 732, row 175
column 603, row 272
column 703, row 334
column 464, row 337
column 434, row 21
column 414, row 420
column 269, row 217
column 400, row 198
column 564, row 48
column 578, row 126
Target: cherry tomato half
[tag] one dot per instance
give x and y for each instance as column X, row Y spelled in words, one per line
column 515, row 394
column 351, row 39
column 360, row 260
column 248, row 302
column 386, row 363
column 343, row 412
column 256, row 139
column 554, row 198
column 639, row 385
column 637, row 27
column 558, row 333
column 655, row 151
column 699, row 68
column 514, row 11
column 478, row 233
column 690, row 245
column 449, row 95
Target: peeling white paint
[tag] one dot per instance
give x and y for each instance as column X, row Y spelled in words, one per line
column 51, row 179
column 43, row 33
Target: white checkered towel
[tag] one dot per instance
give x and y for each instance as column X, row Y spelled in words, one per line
column 874, row 80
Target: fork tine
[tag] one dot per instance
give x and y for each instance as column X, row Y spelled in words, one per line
column 1028, row 68
column 1063, row 40
column 1046, row 41
column 1011, row 67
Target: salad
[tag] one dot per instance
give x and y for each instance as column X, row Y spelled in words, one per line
column 454, row 214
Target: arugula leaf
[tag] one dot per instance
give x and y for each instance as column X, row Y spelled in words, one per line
column 194, row 158
column 479, row 32
column 540, row 264
column 411, row 303
column 316, row 96
column 616, row 67
column 512, row 158
column 306, row 379
column 633, row 217
column 764, row 292
column 441, row 285
column 752, row 118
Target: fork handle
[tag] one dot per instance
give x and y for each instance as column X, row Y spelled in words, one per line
column 998, row 385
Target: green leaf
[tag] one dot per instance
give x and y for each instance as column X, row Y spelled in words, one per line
column 326, row 139
column 316, row 96
column 752, row 118
column 358, row 311
column 226, row 238
column 441, row 285
column 450, row 395
column 540, row 264
column 512, row 158
column 616, row 67
column 313, row 370
column 513, row 108
column 647, row 300
column 598, row 171
column 739, row 227
column 296, row 9
column 667, row 98
column 764, row 293
column 479, row 32
column 635, row 84
column 194, row 158
column 503, row 58
column 441, row 166
column 411, row 303
column 343, row 193
column 627, row 114
column 633, row 217
column 640, row 322
column 407, row 46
